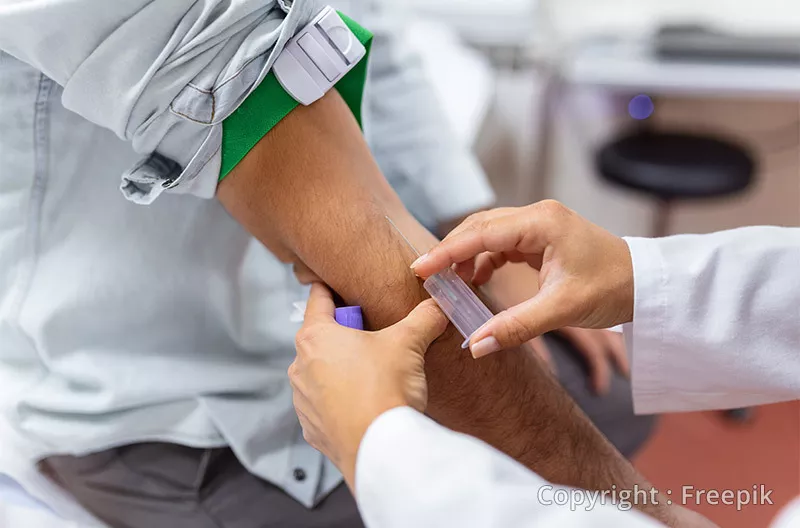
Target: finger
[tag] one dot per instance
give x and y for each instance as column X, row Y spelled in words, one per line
column 600, row 372
column 309, row 431
column 466, row 270
column 320, row 305
column 520, row 232
column 618, row 353
column 303, row 408
column 542, row 313
column 470, row 222
column 592, row 349
column 422, row 326
column 465, row 243
column 539, row 346
column 293, row 372
column 485, row 266
column 305, row 423
column 487, row 263
column 482, row 216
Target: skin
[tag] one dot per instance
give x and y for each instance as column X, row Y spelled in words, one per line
column 363, row 354
column 585, row 272
column 324, row 205
column 343, row 380
column 601, row 350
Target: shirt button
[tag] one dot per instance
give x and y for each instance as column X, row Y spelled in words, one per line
column 299, row 474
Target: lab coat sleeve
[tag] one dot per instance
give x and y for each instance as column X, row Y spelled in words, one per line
column 716, row 320
column 437, row 176
column 414, row 472
column 161, row 74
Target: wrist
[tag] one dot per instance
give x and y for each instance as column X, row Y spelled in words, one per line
column 624, row 283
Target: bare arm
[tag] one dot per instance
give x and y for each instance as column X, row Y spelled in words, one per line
column 311, row 191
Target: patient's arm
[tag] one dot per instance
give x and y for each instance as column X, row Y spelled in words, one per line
column 311, row 191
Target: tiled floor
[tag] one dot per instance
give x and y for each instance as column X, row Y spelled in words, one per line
column 707, row 452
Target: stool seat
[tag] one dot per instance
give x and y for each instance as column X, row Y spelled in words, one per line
column 676, row 166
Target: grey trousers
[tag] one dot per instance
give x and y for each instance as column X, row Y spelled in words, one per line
column 156, row 485
column 611, row 413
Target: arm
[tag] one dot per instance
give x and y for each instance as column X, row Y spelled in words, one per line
column 712, row 319
column 716, row 320
column 325, row 206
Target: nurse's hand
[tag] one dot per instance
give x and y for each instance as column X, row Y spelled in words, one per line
column 343, row 379
column 585, row 279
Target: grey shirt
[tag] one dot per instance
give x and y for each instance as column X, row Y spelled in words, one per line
column 121, row 323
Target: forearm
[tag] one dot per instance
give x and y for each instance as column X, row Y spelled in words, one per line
column 322, row 200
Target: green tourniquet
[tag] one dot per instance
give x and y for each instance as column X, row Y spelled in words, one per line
column 269, row 103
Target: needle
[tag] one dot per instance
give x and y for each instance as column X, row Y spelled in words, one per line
column 403, row 236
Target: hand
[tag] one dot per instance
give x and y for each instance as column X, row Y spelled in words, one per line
column 344, row 379
column 539, row 347
column 585, row 272
column 602, row 351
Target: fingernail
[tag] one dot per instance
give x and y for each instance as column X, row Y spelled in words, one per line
column 418, row 261
column 484, row 347
column 481, row 333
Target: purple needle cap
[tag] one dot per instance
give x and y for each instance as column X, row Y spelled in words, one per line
column 350, row 316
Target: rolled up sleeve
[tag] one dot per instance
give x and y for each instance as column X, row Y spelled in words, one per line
column 162, row 74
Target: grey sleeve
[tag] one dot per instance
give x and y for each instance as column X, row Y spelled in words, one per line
column 161, row 74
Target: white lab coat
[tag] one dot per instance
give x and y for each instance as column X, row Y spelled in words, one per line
column 716, row 324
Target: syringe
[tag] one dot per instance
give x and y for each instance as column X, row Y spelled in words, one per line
column 458, row 302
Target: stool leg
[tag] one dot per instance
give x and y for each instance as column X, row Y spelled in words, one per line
column 743, row 415
column 662, row 217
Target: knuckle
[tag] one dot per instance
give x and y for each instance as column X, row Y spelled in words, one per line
column 484, row 224
column 515, row 330
column 305, row 336
column 552, row 210
column 431, row 310
column 307, row 436
column 496, row 259
column 550, row 206
column 473, row 219
column 477, row 223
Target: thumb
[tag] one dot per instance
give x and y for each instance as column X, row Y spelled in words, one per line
column 540, row 314
column 422, row 326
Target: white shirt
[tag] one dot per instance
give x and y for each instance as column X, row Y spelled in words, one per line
column 121, row 323
column 716, row 325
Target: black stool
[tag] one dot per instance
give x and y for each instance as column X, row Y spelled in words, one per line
column 671, row 166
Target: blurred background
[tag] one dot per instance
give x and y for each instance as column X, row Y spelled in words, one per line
column 649, row 117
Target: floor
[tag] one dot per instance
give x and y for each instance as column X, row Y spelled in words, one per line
column 706, row 451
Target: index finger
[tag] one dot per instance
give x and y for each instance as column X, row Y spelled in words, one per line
column 320, row 305
column 507, row 233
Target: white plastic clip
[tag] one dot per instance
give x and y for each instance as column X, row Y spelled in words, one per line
column 317, row 57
